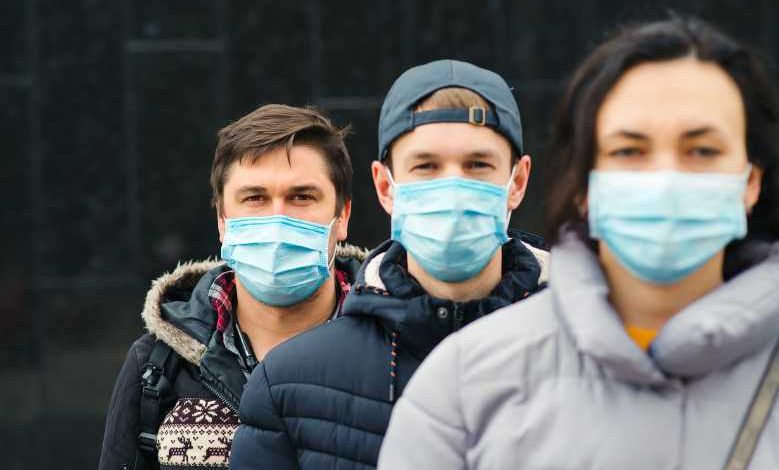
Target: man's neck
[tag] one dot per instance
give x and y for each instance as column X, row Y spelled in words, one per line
column 474, row 288
column 268, row 326
column 647, row 305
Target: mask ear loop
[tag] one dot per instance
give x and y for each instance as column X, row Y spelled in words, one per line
column 508, row 187
column 747, row 172
column 331, row 262
column 745, row 181
column 390, row 178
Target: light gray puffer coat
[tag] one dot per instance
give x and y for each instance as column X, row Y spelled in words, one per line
column 554, row 382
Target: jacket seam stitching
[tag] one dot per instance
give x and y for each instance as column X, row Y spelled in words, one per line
column 458, row 394
column 324, row 452
column 315, row 418
column 271, row 386
column 285, row 431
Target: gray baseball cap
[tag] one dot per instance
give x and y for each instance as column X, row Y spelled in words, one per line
column 398, row 115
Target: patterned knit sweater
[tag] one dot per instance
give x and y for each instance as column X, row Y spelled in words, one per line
column 189, row 310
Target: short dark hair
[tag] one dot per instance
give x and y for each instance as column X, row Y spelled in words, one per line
column 273, row 126
column 573, row 138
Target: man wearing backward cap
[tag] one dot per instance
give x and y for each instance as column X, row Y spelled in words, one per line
column 451, row 169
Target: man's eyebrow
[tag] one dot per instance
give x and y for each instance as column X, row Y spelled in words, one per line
column 629, row 134
column 251, row 189
column 482, row 153
column 422, row 155
column 305, row 188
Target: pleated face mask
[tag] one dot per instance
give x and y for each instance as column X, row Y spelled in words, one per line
column 280, row 260
column 450, row 226
column 663, row 226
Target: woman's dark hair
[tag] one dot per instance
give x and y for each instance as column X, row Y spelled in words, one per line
column 573, row 143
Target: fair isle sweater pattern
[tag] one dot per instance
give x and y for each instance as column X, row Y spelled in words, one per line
column 197, row 433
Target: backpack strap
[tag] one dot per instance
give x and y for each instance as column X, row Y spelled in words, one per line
column 157, row 395
column 757, row 415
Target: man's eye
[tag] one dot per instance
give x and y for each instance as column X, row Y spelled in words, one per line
column 255, row 198
column 478, row 165
column 423, row 167
column 303, row 197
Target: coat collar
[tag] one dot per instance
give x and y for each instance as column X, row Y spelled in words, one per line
column 385, row 290
column 178, row 311
column 735, row 320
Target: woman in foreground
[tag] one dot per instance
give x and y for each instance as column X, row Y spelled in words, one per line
column 663, row 307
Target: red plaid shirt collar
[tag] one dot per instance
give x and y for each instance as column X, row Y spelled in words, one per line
column 223, row 299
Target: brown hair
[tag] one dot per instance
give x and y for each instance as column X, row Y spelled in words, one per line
column 451, row 98
column 273, row 126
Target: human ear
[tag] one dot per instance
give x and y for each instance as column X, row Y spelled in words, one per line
column 341, row 224
column 220, row 224
column 382, row 184
column 519, row 182
column 754, row 185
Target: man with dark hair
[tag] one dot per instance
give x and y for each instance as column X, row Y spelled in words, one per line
column 281, row 181
column 451, row 168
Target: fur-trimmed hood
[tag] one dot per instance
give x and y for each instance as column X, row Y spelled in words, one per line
column 177, row 310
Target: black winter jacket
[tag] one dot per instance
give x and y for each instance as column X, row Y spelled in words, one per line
column 198, row 429
column 323, row 399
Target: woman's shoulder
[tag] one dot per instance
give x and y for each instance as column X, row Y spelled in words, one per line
column 520, row 324
column 500, row 353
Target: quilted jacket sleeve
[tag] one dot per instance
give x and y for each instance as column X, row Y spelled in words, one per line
column 120, row 450
column 426, row 429
column 262, row 441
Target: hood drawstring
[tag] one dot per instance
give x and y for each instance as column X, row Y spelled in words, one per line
column 393, row 365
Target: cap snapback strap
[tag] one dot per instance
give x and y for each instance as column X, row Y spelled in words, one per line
column 474, row 115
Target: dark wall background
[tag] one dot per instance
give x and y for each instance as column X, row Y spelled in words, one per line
column 108, row 112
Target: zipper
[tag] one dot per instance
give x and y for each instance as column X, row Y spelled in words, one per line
column 248, row 361
column 457, row 315
column 218, row 393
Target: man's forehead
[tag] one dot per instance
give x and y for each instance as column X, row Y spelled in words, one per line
column 444, row 139
column 276, row 173
column 298, row 160
column 295, row 156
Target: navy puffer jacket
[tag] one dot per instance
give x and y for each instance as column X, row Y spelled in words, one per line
column 323, row 399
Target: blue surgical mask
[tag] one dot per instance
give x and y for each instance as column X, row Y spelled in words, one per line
column 663, row 226
column 450, row 226
column 280, row 260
